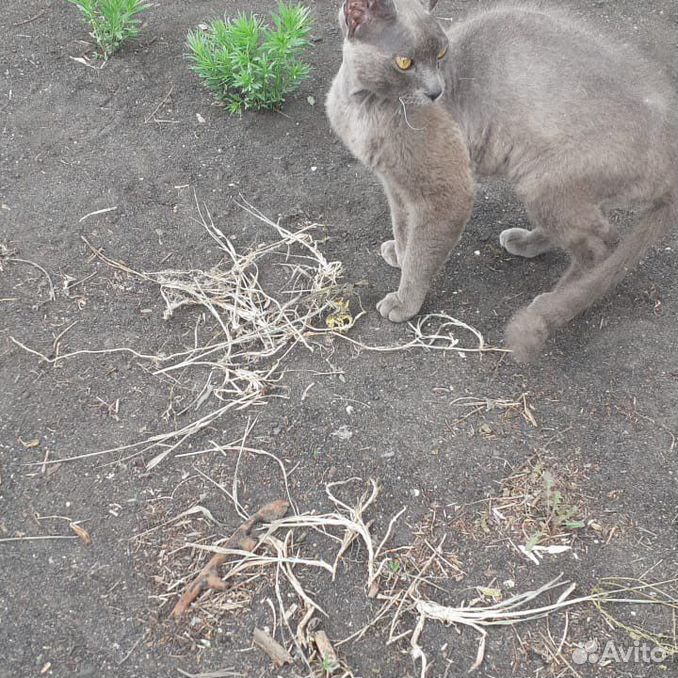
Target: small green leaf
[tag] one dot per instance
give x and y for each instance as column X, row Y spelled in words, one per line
column 494, row 594
column 533, row 541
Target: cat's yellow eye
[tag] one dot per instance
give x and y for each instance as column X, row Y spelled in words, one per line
column 403, row 63
column 442, row 53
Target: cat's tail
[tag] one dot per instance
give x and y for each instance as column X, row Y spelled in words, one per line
column 530, row 327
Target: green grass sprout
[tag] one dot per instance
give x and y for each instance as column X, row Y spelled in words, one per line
column 112, row 22
column 249, row 64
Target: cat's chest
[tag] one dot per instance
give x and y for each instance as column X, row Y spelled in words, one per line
column 364, row 130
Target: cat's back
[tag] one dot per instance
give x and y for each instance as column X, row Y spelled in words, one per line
column 525, row 82
column 543, row 53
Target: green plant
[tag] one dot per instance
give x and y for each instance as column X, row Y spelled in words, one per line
column 561, row 514
column 112, row 21
column 329, row 666
column 248, row 64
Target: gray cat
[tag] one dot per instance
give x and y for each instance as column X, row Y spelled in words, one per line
column 577, row 125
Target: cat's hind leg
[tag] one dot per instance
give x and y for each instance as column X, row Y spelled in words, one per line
column 588, row 237
column 524, row 243
column 389, row 253
column 588, row 247
column 392, row 251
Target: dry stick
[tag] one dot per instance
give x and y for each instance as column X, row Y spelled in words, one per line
column 159, row 106
column 421, row 339
column 356, row 515
column 59, row 358
column 60, row 336
column 189, row 511
column 160, row 439
column 278, row 654
column 32, row 18
column 269, row 602
column 93, row 214
column 409, row 592
column 391, row 523
column 134, row 647
column 241, row 448
column 286, row 562
column 224, row 673
column 241, row 539
column 234, row 490
column 114, row 264
column 295, row 639
column 417, row 652
column 379, row 616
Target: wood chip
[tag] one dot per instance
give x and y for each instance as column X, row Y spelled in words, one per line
column 327, row 653
column 81, row 532
column 278, row 654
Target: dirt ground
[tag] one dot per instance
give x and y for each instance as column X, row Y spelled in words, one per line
column 141, row 135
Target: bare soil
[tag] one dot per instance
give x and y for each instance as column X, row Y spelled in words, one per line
column 75, row 140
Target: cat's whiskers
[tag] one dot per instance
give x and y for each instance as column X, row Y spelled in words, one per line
column 407, row 122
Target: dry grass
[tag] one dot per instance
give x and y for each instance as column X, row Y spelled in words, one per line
column 530, row 606
column 540, row 508
column 255, row 325
column 7, row 255
column 508, row 408
column 404, row 582
column 650, row 595
column 174, row 565
column 274, row 565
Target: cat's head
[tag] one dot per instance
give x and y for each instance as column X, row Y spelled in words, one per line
column 394, row 48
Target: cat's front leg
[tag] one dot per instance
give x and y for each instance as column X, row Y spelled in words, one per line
column 433, row 231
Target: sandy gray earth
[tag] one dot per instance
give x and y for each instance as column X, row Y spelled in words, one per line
column 604, row 396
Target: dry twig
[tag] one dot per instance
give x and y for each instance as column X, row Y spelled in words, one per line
column 241, row 539
column 278, row 654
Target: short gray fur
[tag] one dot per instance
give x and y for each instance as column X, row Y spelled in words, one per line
column 578, row 125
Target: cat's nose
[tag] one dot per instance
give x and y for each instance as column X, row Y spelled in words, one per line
column 434, row 94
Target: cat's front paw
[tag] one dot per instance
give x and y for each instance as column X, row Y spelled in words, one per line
column 389, row 254
column 393, row 309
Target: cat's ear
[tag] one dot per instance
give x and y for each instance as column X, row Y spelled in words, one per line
column 359, row 13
